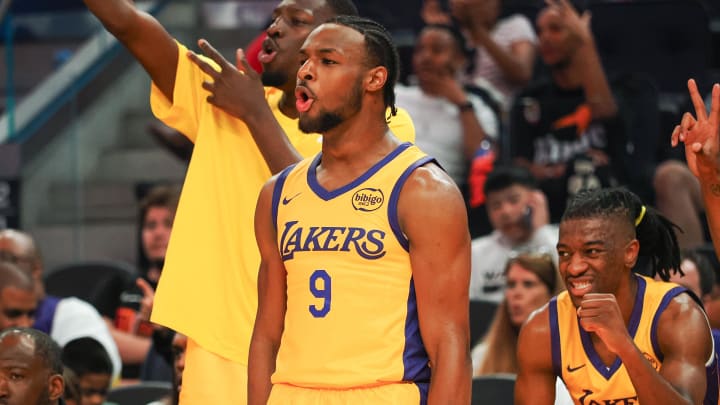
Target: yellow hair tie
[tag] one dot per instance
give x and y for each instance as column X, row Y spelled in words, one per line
column 641, row 216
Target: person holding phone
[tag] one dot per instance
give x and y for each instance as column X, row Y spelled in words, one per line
column 518, row 213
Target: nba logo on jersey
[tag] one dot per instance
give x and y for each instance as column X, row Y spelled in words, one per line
column 368, row 199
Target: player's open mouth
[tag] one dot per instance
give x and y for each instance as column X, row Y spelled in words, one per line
column 268, row 52
column 303, row 99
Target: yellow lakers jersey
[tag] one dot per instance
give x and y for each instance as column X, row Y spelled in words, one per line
column 575, row 360
column 351, row 317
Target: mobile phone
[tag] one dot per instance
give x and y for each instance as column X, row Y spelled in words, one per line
column 527, row 217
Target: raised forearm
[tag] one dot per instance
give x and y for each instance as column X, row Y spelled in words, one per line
column 514, row 69
column 116, row 15
column 595, row 85
column 710, row 187
column 473, row 133
column 271, row 140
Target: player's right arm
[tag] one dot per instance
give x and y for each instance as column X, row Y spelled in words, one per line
column 535, row 382
column 143, row 36
column 272, row 301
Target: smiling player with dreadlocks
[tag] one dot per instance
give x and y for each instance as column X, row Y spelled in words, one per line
column 615, row 336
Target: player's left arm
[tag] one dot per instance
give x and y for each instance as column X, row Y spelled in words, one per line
column 433, row 217
column 686, row 344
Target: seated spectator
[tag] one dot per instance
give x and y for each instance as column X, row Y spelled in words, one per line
column 18, row 303
column 566, row 129
column 678, row 197
column 90, row 363
column 30, row 367
column 131, row 328
column 505, row 47
column 64, row 319
column 531, row 281
column 450, row 123
column 518, row 214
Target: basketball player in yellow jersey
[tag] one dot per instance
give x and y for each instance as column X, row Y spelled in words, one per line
column 208, row 287
column 363, row 284
column 615, row 337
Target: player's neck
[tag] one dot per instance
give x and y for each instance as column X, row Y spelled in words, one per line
column 626, row 297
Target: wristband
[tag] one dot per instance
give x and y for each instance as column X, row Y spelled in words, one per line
column 466, row 106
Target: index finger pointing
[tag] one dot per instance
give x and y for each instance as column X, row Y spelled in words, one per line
column 697, row 100
column 715, row 105
column 212, row 53
column 145, row 287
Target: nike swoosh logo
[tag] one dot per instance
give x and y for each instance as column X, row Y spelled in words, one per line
column 574, row 369
column 287, row 200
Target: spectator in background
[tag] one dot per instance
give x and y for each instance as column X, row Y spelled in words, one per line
column 18, row 303
column 92, row 367
column 565, row 130
column 131, row 332
column 505, row 47
column 64, row 319
column 450, row 123
column 518, row 214
column 30, row 368
column 531, row 280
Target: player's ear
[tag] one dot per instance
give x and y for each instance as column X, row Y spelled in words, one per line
column 56, row 386
column 631, row 253
column 376, row 78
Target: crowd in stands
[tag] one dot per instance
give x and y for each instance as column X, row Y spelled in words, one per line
column 521, row 112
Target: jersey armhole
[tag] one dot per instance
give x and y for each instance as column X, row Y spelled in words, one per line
column 395, row 198
column 672, row 293
column 277, row 192
column 555, row 337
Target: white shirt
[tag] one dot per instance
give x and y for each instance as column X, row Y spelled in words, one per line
column 438, row 131
column 507, row 31
column 75, row 318
column 490, row 253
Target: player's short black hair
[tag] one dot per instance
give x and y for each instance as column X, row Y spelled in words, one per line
column 502, row 177
column 342, row 7
column 381, row 51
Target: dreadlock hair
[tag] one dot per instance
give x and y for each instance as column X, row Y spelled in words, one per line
column 380, row 49
column 342, row 7
column 654, row 232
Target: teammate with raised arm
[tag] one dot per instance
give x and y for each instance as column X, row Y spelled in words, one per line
column 208, row 287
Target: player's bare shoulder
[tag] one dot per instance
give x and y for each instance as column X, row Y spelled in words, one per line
column 430, row 182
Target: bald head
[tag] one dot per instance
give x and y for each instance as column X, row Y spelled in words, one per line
column 13, row 276
column 19, row 248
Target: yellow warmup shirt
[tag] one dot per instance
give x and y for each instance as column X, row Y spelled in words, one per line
column 208, row 287
column 351, row 317
column 575, row 360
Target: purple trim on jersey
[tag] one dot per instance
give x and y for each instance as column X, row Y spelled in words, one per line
column 329, row 195
column 395, row 197
column 653, row 328
column 632, row 330
column 555, row 338
column 277, row 192
column 415, row 358
column 424, row 388
column 45, row 314
column 712, row 374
